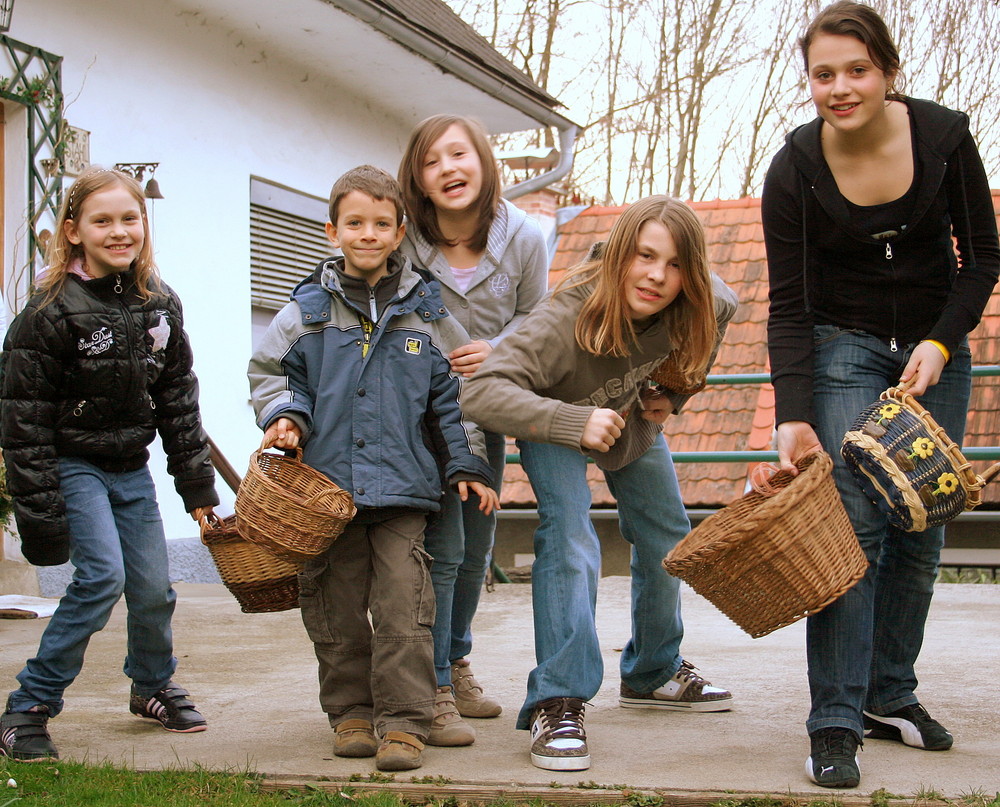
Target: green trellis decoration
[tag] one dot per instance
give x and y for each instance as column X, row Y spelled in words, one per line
column 34, row 78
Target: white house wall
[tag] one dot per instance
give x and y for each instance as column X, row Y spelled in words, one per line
column 154, row 82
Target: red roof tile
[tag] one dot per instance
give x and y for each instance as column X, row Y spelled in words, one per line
column 730, row 417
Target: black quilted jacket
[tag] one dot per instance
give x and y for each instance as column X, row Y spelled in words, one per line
column 96, row 374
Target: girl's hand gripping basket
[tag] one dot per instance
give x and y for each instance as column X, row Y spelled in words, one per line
column 258, row 580
column 774, row 555
column 670, row 376
column 908, row 466
column 289, row 508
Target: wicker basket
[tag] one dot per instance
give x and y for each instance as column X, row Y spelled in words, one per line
column 766, row 561
column 289, row 508
column 669, row 375
column 258, row 580
column 908, row 465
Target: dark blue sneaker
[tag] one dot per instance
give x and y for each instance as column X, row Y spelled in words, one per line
column 170, row 707
column 910, row 725
column 24, row 736
column 833, row 760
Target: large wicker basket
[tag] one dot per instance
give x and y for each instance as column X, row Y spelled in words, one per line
column 766, row 561
column 289, row 508
column 258, row 580
column 908, row 465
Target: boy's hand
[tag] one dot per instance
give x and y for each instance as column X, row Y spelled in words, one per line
column 488, row 498
column 283, row 433
column 467, row 358
column 201, row 512
column 604, row 427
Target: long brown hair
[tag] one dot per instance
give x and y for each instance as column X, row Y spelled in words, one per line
column 847, row 18
column 419, row 208
column 62, row 252
column 604, row 326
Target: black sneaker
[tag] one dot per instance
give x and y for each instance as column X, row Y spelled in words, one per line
column 911, row 725
column 24, row 736
column 169, row 707
column 833, row 760
column 558, row 741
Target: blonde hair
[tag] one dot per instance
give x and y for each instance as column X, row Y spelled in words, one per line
column 604, row 326
column 419, row 207
column 61, row 252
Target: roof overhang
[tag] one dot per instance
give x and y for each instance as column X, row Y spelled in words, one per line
column 404, row 69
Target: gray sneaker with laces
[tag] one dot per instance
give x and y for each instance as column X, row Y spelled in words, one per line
column 686, row 691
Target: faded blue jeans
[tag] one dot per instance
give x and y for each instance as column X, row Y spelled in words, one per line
column 460, row 539
column 117, row 546
column 861, row 649
column 567, row 565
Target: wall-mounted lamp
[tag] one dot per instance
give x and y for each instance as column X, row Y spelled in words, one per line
column 6, row 12
column 138, row 172
column 51, row 166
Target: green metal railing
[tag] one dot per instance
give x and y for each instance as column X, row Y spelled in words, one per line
column 735, row 379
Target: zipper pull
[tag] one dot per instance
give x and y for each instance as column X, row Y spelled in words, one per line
column 888, row 251
column 118, row 284
column 892, row 345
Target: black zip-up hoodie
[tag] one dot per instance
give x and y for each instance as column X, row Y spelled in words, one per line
column 96, row 374
column 906, row 287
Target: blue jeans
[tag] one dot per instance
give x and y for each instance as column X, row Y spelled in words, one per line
column 460, row 539
column 567, row 564
column 861, row 649
column 117, row 545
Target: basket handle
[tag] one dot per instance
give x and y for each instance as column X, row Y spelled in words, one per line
column 291, row 453
column 208, row 522
column 988, row 475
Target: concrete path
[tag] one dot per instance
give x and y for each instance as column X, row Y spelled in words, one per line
column 254, row 678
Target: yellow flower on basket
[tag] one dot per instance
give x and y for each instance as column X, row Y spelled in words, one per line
column 888, row 412
column 947, row 483
column 922, row 447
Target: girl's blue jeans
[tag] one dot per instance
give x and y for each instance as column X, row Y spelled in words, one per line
column 567, row 565
column 460, row 539
column 117, row 545
column 861, row 649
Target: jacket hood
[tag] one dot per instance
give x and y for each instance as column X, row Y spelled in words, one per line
column 312, row 294
column 939, row 131
column 508, row 222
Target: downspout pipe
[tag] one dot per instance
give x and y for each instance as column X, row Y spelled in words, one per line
column 454, row 62
column 567, row 142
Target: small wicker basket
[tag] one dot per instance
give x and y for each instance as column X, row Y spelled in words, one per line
column 766, row 561
column 259, row 581
column 670, row 376
column 908, row 465
column 289, row 508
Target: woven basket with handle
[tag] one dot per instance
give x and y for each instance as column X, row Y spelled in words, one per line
column 769, row 559
column 289, row 508
column 670, row 376
column 258, row 580
column 908, row 465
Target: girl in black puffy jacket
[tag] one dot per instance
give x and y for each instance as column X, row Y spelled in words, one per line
column 94, row 367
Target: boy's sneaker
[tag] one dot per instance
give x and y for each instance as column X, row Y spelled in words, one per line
column 24, row 736
column 558, row 741
column 170, row 707
column 686, row 691
column 470, row 699
column 911, row 725
column 833, row 761
column 447, row 728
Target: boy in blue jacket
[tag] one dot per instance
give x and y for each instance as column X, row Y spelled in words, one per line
column 355, row 369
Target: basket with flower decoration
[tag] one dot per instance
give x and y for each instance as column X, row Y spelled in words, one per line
column 908, row 465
